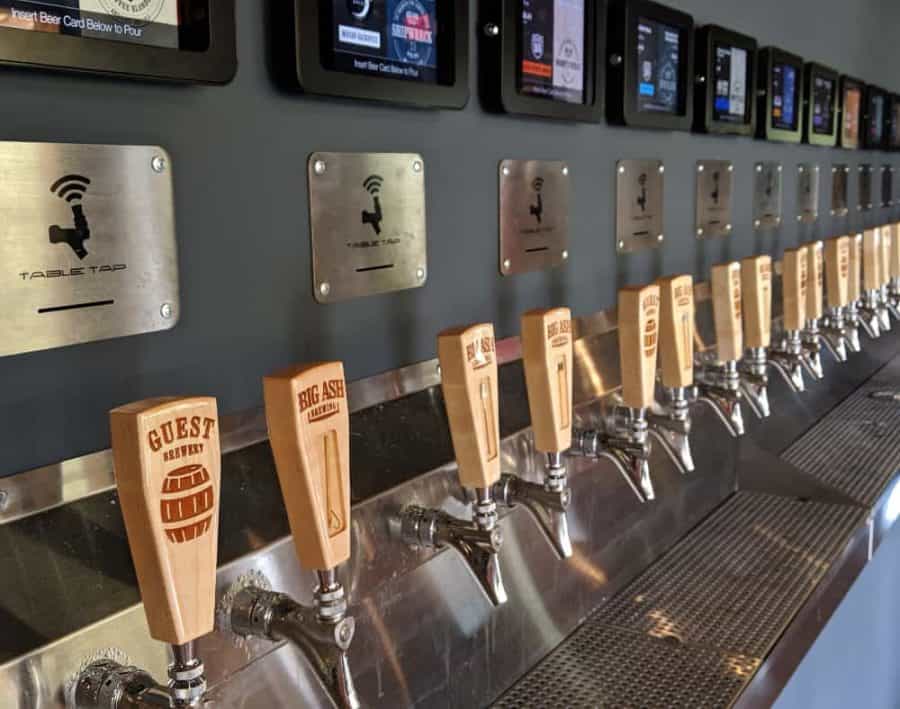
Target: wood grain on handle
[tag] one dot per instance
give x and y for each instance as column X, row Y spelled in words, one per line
column 309, row 431
column 871, row 259
column 854, row 275
column 894, row 262
column 469, row 382
column 167, row 465
column 815, row 288
column 794, row 283
column 676, row 330
column 887, row 241
column 756, row 288
column 547, row 358
column 837, row 271
column 726, row 298
column 638, row 343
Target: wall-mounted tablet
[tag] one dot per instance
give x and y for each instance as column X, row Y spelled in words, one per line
column 543, row 57
column 894, row 122
column 172, row 40
column 651, row 63
column 400, row 51
column 875, row 118
column 852, row 96
column 780, row 96
column 725, row 90
column 820, row 122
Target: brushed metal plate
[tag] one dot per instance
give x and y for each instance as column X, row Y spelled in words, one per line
column 767, row 195
column 807, row 193
column 887, row 186
column 639, row 205
column 534, row 215
column 87, row 244
column 367, row 224
column 839, row 201
column 864, row 198
column 714, row 189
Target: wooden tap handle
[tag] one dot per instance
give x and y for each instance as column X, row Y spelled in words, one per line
column 676, row 330
column 756, row 288
column 794, row 284
column 547, row 357
column 469, row 382
column 894, row 262
column 815, row 289
column 309, row 431
column 726, row 298
column 837, row 271
column 871, row 259
column 887, row 241
column 854, row 274
column 167, row 465
column 638, row 343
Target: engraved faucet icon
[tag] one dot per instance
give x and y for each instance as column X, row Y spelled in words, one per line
column 71, row 188
column 373, row 186
column 537, row 210
column 642, row 199
column 715, row 192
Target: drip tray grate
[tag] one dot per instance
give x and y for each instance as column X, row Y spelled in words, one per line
column 693, row 628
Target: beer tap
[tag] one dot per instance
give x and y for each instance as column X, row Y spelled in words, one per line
column 888, row 246
column 811, row 336
column 894, row 271
column 670, row 420
column 869, row 311
column 719, row 381
column 851, row 312
column 623, row 436
column 469, row 383
column 837, row 271
column 756, row 289
column 309, row 432
column 547, row 359
column 787, row 354
column 167, row 467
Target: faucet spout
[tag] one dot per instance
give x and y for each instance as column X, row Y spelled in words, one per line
column 787, row 359
column 755, row 381
column 670, row 424
column 478, row 544
column 323, row 633
column 869, row 317
column 812, row 350
column 720, row 389
column 834, row 335
column 885, row 308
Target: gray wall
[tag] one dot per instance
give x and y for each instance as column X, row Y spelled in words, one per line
column 239, row 157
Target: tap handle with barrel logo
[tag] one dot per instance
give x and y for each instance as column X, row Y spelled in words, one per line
column 871, row 259
column 794, row 285
column 854, row 272
column 887, row 241
column 638, row 343
column 726, row 301
column 837, row 271
column 815, row 280
column 547, row 358
column 167, row 465
column 894, row 262
column 469, row 382
column 309, row 431
column 676, row 330
column 756, row 287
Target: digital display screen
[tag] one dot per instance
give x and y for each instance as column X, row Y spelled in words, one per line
column 785, row 103
column 147, row 22
column 852, row 105
column 551, row 45
column 658, row 57
column 895, row 125
column 730, row 72
column 823, row 92
column 876, row 118
column 393, row 39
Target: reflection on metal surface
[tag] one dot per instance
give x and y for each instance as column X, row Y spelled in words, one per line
column 367, row 223
column 88, row 244
column 639, row 205
column 839, row 201
column 807, row 193
column 887, row 186
column 864, row 196
column 767, row 195
column 713, row 207
column 534, row 215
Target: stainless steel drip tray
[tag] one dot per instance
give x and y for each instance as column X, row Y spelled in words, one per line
column 693, row 629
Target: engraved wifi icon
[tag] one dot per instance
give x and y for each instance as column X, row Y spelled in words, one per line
column 71, row 188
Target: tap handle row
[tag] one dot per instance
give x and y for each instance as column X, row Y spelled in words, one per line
column 894, row 259
column 639, row 312
column 756, row 285
column 837, row 271
column 309, row 431
column 815, row 270
column 795, row 282
column 167, row 467
column 469, row 382
column 547, row 359
column 871, row 259
column 676, row 331
column 726, row 301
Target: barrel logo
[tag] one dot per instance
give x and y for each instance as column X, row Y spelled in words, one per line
column 187, row 503
column 558, row 332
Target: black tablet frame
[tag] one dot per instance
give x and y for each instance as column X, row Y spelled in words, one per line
column 768, row 57
column 216, row 64
column 867, row 142
column 621, row 91
column 706, row 39
column 809, row 135
column 499, row 65
column 301, row 26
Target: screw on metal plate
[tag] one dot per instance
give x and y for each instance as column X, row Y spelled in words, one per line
column 659, row 237
column 700, row 168
column 417, row 166
column 699, row 231
column 565, row 170
column 4, row 500
column 158, row 163
column 662, row 169
column 492, row 29
column 505, row 171
column 565, row 255
column 615, row 59
column 420, row 273
column 319, row 167
column 166, row 310
column 325, row 288
column 506, row 264
column 621, row 169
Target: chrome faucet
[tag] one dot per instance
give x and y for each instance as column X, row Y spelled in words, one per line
column 811, row 343
column 893, row 293
column 786, row 356
column 719, row 384
column 869, row 317
column 753, row 371
column 835, row 334
column 670, row 424
column 851, row 326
